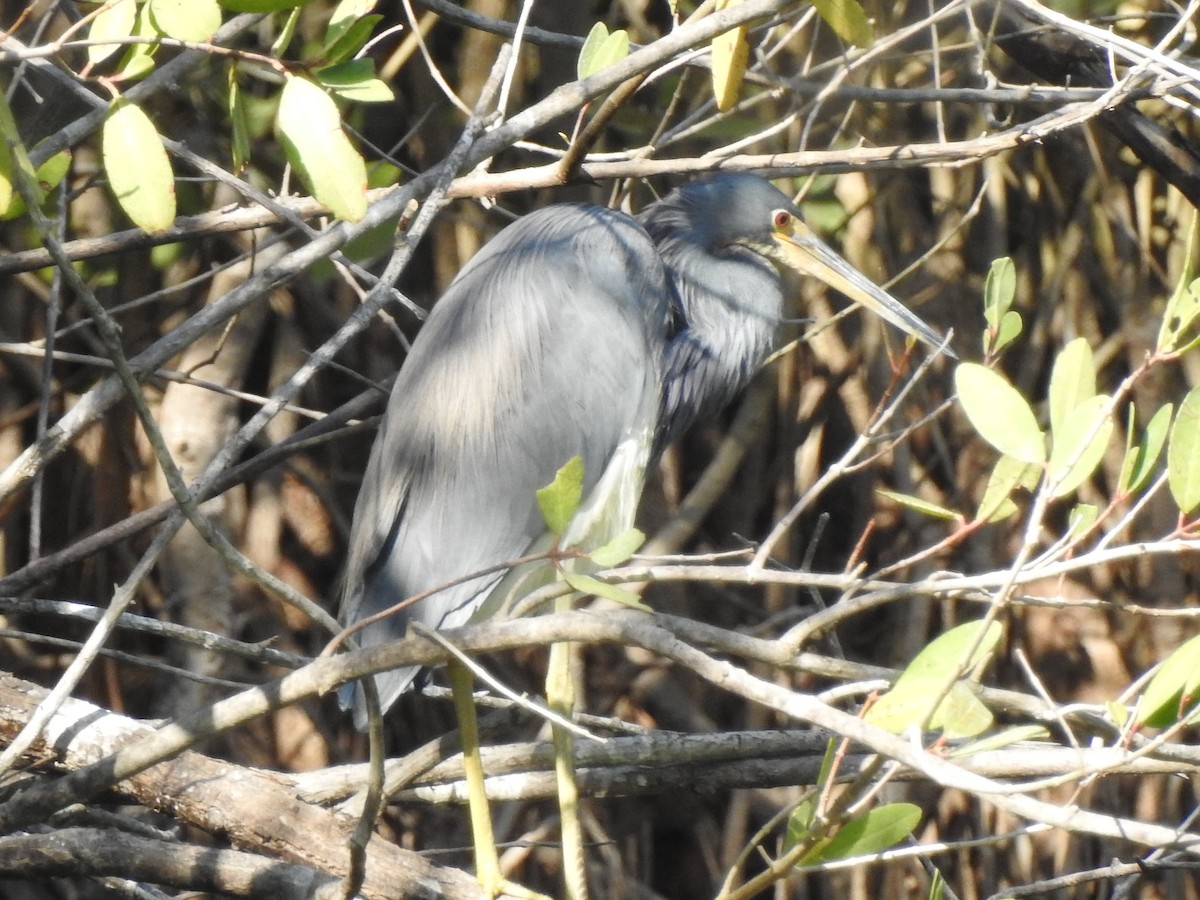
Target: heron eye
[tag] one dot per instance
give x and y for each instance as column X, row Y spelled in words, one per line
column 781, row 218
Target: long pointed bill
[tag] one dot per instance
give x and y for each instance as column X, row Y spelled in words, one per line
column 807, row 254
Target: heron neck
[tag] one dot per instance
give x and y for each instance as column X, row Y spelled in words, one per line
column 726, row 316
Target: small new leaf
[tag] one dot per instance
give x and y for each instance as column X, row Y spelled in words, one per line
column 1139, row 460
column 619, row 549
column 1183, row 454
column 1082, row 517
column 999, row 289
column 1007, row 475
column 916, row 504
column 262, row 6
column 139, row 172
column 355, row 81
column 586, row 584
column 999, row 413
column 559, row 500
column 601, row 50
column 1002, row 739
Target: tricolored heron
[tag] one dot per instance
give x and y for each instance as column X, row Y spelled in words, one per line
column 579, row 330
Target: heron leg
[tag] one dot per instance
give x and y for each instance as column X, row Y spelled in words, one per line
column 487, row 862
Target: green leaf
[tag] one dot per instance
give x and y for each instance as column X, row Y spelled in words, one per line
column 871, row 832
column 559, row 500
column 9, row 198
column 586, row 584
column 601, row 50
column 916, row 504
column 1139, row 460
column 1010, row 330
column 352, row 40
column 1172, row 691
column 138, row 61
column 1007, row 475
column 799, row 823
column 345, row 14
column 262, row 6
column 1082, row 517
column 1072, row 381
column 355, row 81
column 49, row 176
column 287, row 32
column 1079, row 445
column 999, row 289
column 619, row 549
column 139, row 172
column 114, row 23
column 944, row 655
column 910, row 701
column 311, row 130
column 186, row 20
column 999, row 413
column 848, row 20
column 240, row 120
column 1002, row 739
column 1183, row 454
column 1184, row 305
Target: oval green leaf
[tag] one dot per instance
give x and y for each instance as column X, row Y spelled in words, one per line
column 116, row 22
column 916, row 504
column 262, row 6
column 999, row 413
column 1082, row 517
column 1010, row 330
column 586, row 584
column 559, row 500
column 137, row 166
column 311, row 130
column 1171, row 690
column 1183, row 454
column 871, row 832
column 1007, row 475
column 848, row 20
column 1072, row 381
column 619, row 549
column 601, row 50
column 355, row 81
column 186, row 20
column 944, row 656
column 1079, row 445
column 1140, row 459
column 999, row 289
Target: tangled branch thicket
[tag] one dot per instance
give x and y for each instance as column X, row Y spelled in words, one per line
column 786, row 589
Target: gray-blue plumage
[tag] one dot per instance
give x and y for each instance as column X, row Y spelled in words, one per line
column 581, row 331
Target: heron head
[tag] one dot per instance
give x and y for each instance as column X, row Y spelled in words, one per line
column 746, row 210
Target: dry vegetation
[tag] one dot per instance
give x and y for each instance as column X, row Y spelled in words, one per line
column 923, row 159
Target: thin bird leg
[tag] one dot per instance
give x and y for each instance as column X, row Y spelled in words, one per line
column 487, row 862
column 560, row 697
